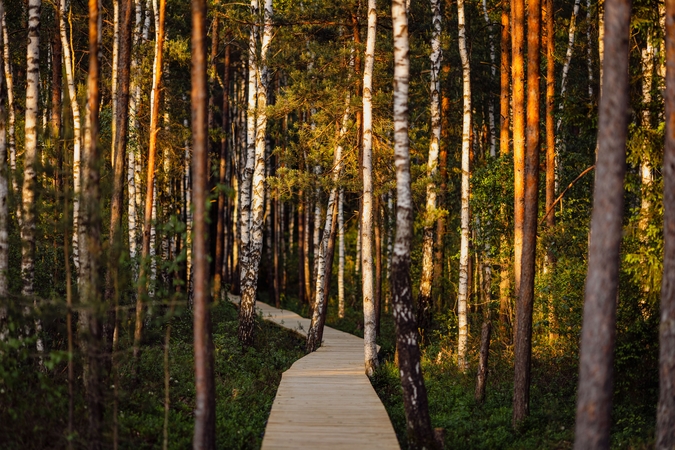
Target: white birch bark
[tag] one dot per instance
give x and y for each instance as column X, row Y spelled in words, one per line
column 464, row 240
column 424, row 299
column 369, row 336
column 77, row 128
column 187, row 207
column 113, row 87
column 11, row 118
column 250, row 269
column 601, row 38
column 320, row 300
column 247, row 172
column 341, row 254
column 390, row 232
column 493, row 71
column 568, row 60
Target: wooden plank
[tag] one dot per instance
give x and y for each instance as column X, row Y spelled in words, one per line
column 325, row 400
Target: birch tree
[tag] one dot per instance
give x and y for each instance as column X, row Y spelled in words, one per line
column 424, row 307
column 150, row 177
column 250, row 269
column 11, row 114
column 594, row 395
column 493, row 72
column 31, row 153
column 77, row 126
column 367, row 199
column 568, row 57
column 418, row 422
column 465, row 214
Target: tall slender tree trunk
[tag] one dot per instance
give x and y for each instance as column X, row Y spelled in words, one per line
column 424, row 307
column 57, row 104
column 438, row 285
column 246, row 176
column 525, row 300
column 518, row 89
column 505, row 81
column 594, row 395
column 418, row 422
column 4, row 192
column 133, row 181
column 325, row 256
column 568, row 58
column 150, row 177
column 369, row 336
column 464, row 271
column 205, row 412
column 378, row 265
column 117, row 204
column 113, row 84
column 11, row 118
column 646, row 176
column 29, row 190
column 222, row 172
column 665, row 412
column 90, row 243
column 250, row 269
column 301, row 248
column 305, row 261
column 341, row 254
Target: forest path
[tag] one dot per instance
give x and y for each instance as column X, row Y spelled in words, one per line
column 325, row 399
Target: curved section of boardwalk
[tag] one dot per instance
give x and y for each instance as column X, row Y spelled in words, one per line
column 325, row 400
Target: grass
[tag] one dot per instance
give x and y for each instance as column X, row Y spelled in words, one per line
column 34, row 403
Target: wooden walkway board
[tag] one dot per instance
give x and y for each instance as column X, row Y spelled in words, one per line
column 325, row 400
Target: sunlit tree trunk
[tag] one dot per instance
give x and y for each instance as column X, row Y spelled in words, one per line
column 247, row 166
column 204, row 437
column 341, row 254
column 150, row 177
column 418, row 422
column 646, row 176
column 31, row 152
column 250, row 269
column 117, row 204
column 424, row 307
column 77, row 127
column 525, row 299
column 665, row 412
column 133, row 173
column 463, row 295
column 113, row 84
column 301, row 248
column 589, row 51
column 369, row 336
column 550, row 153
column 324, row 260
column 518, row 98
column 11, row 118
column 90, row 240
column 594, row 395
column 4, row 192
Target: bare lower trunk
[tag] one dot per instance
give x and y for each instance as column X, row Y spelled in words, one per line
column 341, row 255
column 665, row 413
column 369, row 336
column 481, row 378
column 594, row 397
column 204, row 437
column 250, row 269
column 418, row 422
column 525, row 299
column 4, row 191
column 463, row 295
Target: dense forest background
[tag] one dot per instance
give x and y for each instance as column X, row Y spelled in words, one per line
column 313, row 86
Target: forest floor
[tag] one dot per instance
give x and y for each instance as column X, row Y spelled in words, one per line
column 469, row 425
column 34, row 403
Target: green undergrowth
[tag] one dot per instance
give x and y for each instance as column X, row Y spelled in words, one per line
column 34, row 403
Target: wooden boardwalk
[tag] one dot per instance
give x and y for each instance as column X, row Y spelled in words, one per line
column 325, row 400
